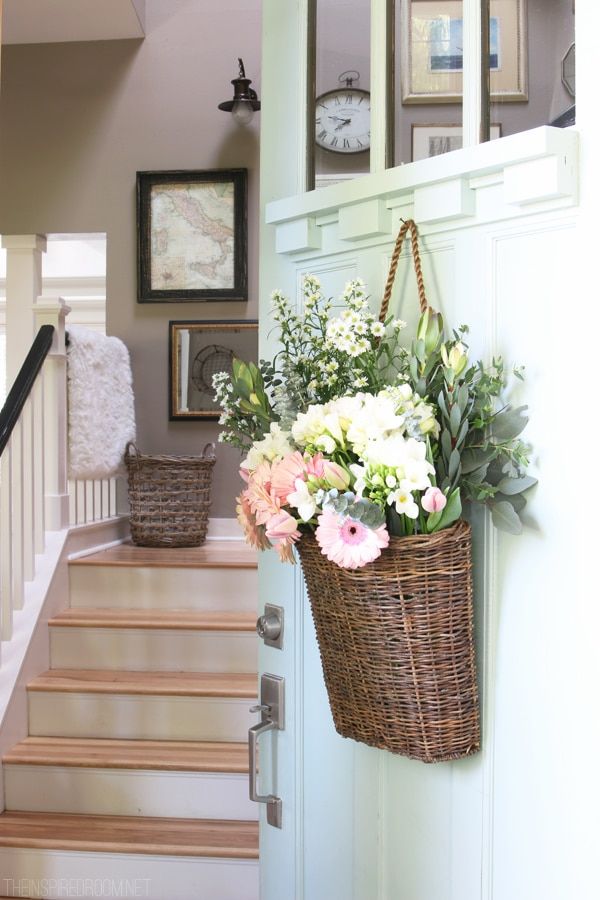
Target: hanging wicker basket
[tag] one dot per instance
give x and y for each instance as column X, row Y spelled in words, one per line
column 396, row 636
column 169, row 497
column 396, row 644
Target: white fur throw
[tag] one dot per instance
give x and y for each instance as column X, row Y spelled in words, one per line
column 100, row 396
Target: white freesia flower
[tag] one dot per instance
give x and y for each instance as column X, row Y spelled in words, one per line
column 325, row 443
column 274, row 445
column 302, row 500
column 404, row 502
column 360, row 474
column 416, row 475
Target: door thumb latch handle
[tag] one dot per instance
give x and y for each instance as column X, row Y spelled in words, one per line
column 271, row 720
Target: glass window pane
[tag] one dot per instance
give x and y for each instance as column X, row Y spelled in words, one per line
column 428, row 82
column 342, row 104
column 532, row 64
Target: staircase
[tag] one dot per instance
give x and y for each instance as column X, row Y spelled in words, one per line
column 135, row 772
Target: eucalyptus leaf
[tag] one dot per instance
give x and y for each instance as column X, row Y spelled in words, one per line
column 505, row 518
column 473, row 459
column 478, row 475
column 517, row 501
column 508, row 425
column 516, row 485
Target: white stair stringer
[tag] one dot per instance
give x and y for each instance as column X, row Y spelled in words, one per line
column 128, row 792
column 153, row 650
column 137, row 587
column 59, row 874
column 139, row 716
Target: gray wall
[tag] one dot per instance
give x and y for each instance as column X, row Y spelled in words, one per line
column 78, row 121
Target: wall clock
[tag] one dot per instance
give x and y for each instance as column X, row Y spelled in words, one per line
column 343, row 117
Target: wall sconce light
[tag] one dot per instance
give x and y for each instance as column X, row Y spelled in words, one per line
column 245, row 100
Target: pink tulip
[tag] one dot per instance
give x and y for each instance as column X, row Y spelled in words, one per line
column 335, row 475
column 282, row 526
column 433, row 500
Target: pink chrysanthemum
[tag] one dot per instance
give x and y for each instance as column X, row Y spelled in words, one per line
column 348, row 543
column 254, row 534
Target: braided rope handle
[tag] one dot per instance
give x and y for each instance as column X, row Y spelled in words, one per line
column 408, row 225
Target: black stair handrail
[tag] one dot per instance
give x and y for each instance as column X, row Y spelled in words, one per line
column 21, row 389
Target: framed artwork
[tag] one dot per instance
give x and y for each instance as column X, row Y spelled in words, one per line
column 192, row 236
column 197, row 351
column 433, row 140
column 432, row 55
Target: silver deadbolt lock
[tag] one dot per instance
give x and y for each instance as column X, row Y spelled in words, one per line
column 269, row 626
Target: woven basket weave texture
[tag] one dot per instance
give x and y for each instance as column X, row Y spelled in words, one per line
column 396, row 644
column 169, row 498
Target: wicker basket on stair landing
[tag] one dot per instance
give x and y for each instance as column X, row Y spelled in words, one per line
column 396, row 636
column 169, row 497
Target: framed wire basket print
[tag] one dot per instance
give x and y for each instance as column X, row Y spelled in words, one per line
column 197, row 351
column 192, row 236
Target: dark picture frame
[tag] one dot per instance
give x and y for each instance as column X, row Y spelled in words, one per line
column 198, row 349
column 192, row 229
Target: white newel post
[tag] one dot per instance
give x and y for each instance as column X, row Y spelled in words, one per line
column 23, row 287
column 52, row 311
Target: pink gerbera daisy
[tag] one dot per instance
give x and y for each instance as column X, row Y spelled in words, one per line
column 255, row 534
column 285, row 473
column 347, row 542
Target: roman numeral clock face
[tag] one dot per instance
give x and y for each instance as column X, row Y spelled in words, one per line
column 343, row 120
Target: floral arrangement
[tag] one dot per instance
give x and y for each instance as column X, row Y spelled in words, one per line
column 352, row 434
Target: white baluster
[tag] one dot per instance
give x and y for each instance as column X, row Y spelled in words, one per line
column 89, row 501
column 28, row 492
column 97, row 499
column 17, row 515
column 39, row 496
column 52, row 311
column 6, row 543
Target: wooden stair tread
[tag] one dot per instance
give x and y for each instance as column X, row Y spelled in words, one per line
column 105, row 681
column 182, row 756
column 168, row 619
column 211, row 555
column 130, row 834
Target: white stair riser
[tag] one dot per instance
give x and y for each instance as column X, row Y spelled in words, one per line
column 143, row 717
column 58, row 874
column 127, row 792
column 152, row 650
column 131, row 587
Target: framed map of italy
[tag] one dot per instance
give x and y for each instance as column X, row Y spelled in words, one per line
column 192, row 236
